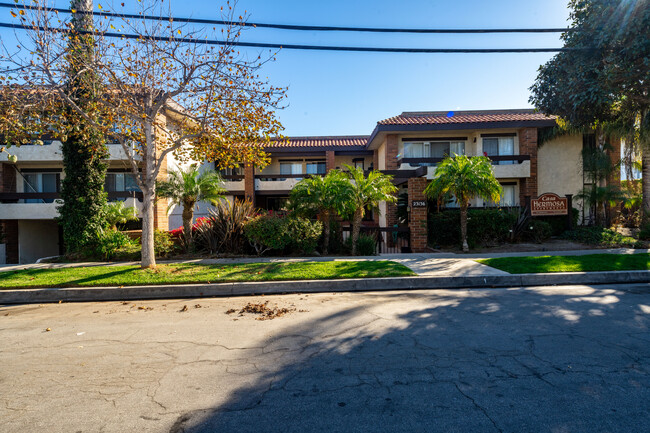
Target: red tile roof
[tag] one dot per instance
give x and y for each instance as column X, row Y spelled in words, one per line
column 347, row 141
column 451, row 117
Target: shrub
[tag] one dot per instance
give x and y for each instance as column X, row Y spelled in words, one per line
column 602, row 237
column 644, row 233
column 303, row 234
column 107, row 244
column 267, row 232
column 223, row 230
column 366, row 245
column 163, row 244
column 538, row 231
column 484, row 227
column 558, row 223
column 336, row 245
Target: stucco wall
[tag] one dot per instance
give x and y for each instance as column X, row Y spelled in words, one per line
column 381, row 157
column 37, row 239
column 559, row 166
column 340, row 160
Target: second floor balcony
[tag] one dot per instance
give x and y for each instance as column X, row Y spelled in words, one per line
column 504, row 166
column 43, row 205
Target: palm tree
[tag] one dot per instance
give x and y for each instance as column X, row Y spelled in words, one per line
column 325, row 196
column 186, row 188
column 465, row 178
column 366, row 193
column 115, row 213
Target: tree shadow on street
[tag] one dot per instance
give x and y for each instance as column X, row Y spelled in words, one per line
column 548, row 360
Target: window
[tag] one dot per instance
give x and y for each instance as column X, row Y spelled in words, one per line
column 290, row 168
column 433, row 149
column 358, row 163
column 41, row 182
column 120, row 182
column 507, row 197
column 499, row 146
column 316, row 167
column 232, row 171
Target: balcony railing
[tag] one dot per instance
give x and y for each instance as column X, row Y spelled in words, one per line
column 281, row 177
column 13, row 197
column 495, row 159
column 232, row 177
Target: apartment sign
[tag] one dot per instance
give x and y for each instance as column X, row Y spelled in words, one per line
column 549, row 204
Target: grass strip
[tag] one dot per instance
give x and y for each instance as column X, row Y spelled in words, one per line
column 588, row 263
column 198, row 273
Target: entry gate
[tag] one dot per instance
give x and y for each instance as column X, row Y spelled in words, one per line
column 389, row 240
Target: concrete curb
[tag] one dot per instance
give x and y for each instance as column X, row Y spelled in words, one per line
column 93, row 294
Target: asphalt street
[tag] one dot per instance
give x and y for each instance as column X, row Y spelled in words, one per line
column 548, row 359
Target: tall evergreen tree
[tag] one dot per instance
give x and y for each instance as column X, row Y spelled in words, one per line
column 603, row 82
column 84, row 149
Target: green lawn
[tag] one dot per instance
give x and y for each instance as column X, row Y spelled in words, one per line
column 588, row 263
column 196, row 273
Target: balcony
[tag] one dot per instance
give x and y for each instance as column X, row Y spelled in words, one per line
column 52, row 152
column 14, row 208
column 233, row 183
column 279, row 182
column 504, row 166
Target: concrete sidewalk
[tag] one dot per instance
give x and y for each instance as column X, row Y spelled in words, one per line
column 423, row 264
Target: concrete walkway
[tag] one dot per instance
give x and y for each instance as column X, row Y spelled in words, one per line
column 423, row 264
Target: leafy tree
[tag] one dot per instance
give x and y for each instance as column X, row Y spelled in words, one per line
column 465, row 178
column 602, row 82
column 164, row 93
column 115, row 213
column 186, row 188
column 326, row 196
column 366, row 193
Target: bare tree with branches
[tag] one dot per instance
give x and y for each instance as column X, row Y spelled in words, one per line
column 168, row 91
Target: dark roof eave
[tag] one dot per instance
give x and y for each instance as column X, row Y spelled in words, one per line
column 459, row 126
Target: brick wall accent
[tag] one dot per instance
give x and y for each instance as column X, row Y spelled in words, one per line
column 375, row 160
column 249, row 182
column 391, row 164
column 10, row 231
column 391, row 152
column 160, row 215
column 7, row 178
column 528, row 146
column 9, row 227
column 418, row 215
column 330, row 164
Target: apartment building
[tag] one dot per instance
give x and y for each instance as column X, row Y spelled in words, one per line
column 410, row 145
column 407, row 146
column 29, row 190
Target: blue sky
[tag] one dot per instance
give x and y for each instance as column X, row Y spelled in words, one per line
column 335, row 93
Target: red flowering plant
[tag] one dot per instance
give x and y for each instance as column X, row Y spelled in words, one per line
column 178, row 233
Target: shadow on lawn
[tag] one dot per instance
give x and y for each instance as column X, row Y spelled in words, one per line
column 36, row 273
column 482, row 360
